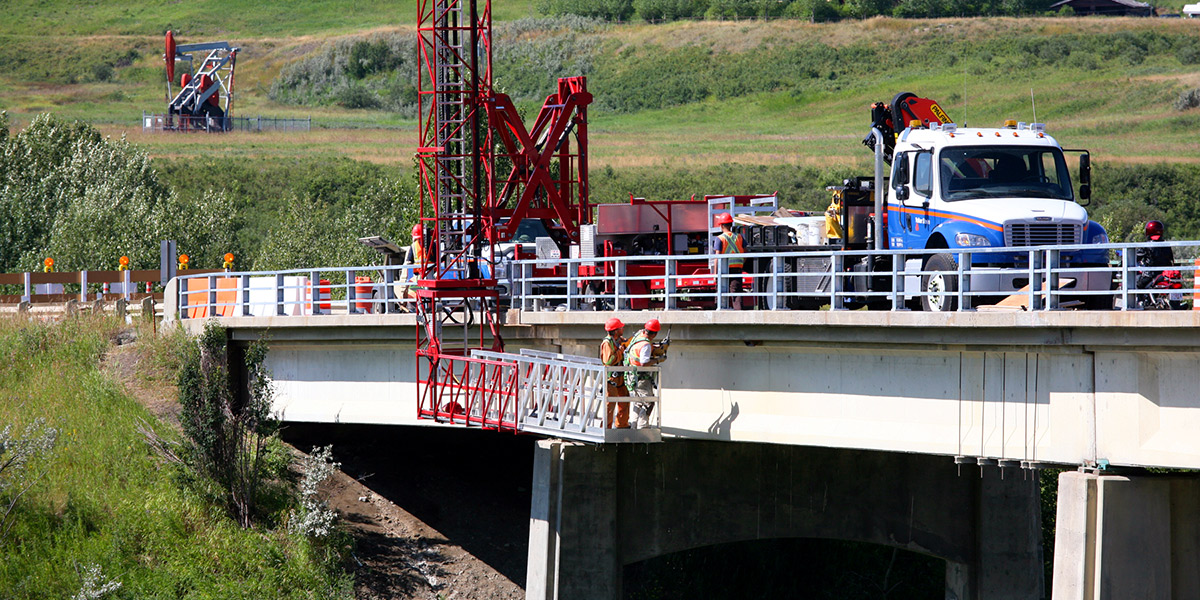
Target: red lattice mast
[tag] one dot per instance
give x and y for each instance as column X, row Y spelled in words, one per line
column 457, row 296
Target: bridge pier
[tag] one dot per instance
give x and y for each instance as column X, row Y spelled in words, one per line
column 598, row 509
column 1127, row 537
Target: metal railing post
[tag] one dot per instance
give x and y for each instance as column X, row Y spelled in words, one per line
column 619, row 286
column 897, row 282
column 83, row 286
column 835, row 282
column 245, row 285
column 28, row 295
column 183, row 297
column 212, row 296
column 670, row 302
column 773, row 282
column 572, row 278
column 526, row 286
column 389, row 278
column 127, row 285
column 1052, row 299
column 1125, row 252
column 351, row 294
column 964, row 282
column 279, row 308
column 719, row 272
column 1035, row 282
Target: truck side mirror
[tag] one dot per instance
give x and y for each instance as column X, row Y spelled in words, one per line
column 1085, row 170
column 1085, row 191
column 902, row 192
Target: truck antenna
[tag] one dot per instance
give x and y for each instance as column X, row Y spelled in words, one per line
column 1033, row 102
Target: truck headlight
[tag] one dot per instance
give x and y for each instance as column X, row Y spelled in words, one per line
column 1100, row 239
column 971, row 239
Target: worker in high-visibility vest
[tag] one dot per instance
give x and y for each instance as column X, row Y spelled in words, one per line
column 612, row 354
column 416, row 257
column 641, row 352
column 732, row 243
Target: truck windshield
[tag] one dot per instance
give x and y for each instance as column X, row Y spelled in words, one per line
column 529, row 231
column 969, row 173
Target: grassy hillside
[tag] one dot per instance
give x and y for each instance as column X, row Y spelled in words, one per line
column 105, row 500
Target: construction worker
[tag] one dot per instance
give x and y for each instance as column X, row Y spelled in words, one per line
column 416, row 257
column 641, row 353
column 732, row 243
column 612, row 354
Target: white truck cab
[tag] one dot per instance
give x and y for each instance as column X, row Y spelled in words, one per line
column 970, row 188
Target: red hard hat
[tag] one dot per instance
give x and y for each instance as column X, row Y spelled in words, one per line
column 724, row 219
column 1154, row 230
column 653, row 325
column 416, row 230
column 613, row 324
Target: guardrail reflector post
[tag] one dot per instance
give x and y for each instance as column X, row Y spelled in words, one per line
column 83, row 286
column 28, row 296
column 127, row 284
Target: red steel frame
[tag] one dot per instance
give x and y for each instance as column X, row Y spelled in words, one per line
column 454, row 80
column 530, row 190
column 465, row 209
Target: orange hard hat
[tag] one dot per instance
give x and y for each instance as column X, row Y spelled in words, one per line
column 724, row 219
column 653, row 325
column 613, row 324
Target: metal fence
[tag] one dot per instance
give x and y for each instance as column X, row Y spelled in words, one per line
column 1048, row 281
column 159, row 122
column 1045, row 280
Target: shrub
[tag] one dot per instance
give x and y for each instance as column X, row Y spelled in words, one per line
column 1188, row 99
column 314, row 519
column 609, row 10
column 227, row 437
column 1188, row 54
column 814, row 11
column 670, row 10
column 17, row 455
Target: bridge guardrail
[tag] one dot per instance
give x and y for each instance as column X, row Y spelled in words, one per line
column 1049, row 280
column 1045, row 273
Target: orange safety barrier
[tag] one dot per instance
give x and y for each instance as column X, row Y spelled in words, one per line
column 197, row 297
column 363, row 286
column 1195, row 278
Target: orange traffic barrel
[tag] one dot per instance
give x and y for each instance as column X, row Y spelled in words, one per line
column 363, row 286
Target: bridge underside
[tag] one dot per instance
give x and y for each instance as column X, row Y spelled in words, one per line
column 597, row 510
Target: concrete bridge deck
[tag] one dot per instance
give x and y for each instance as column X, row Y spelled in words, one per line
column 1068, row 387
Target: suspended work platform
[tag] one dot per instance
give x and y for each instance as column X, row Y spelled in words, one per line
column 557, row 395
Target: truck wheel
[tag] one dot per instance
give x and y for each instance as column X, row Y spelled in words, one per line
column 940, row 286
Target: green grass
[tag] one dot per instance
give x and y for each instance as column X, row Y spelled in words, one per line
column 107, row 500
column 221, row 18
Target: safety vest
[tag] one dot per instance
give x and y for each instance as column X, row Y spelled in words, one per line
column 731, row 243
column 612, row 354
column 635, row 346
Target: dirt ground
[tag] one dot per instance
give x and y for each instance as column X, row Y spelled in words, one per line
column 398, row 555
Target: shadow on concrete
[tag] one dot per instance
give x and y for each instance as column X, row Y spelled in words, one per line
column 722, row 427
column 472, row 486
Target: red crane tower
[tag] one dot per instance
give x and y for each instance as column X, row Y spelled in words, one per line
column 466, row 131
